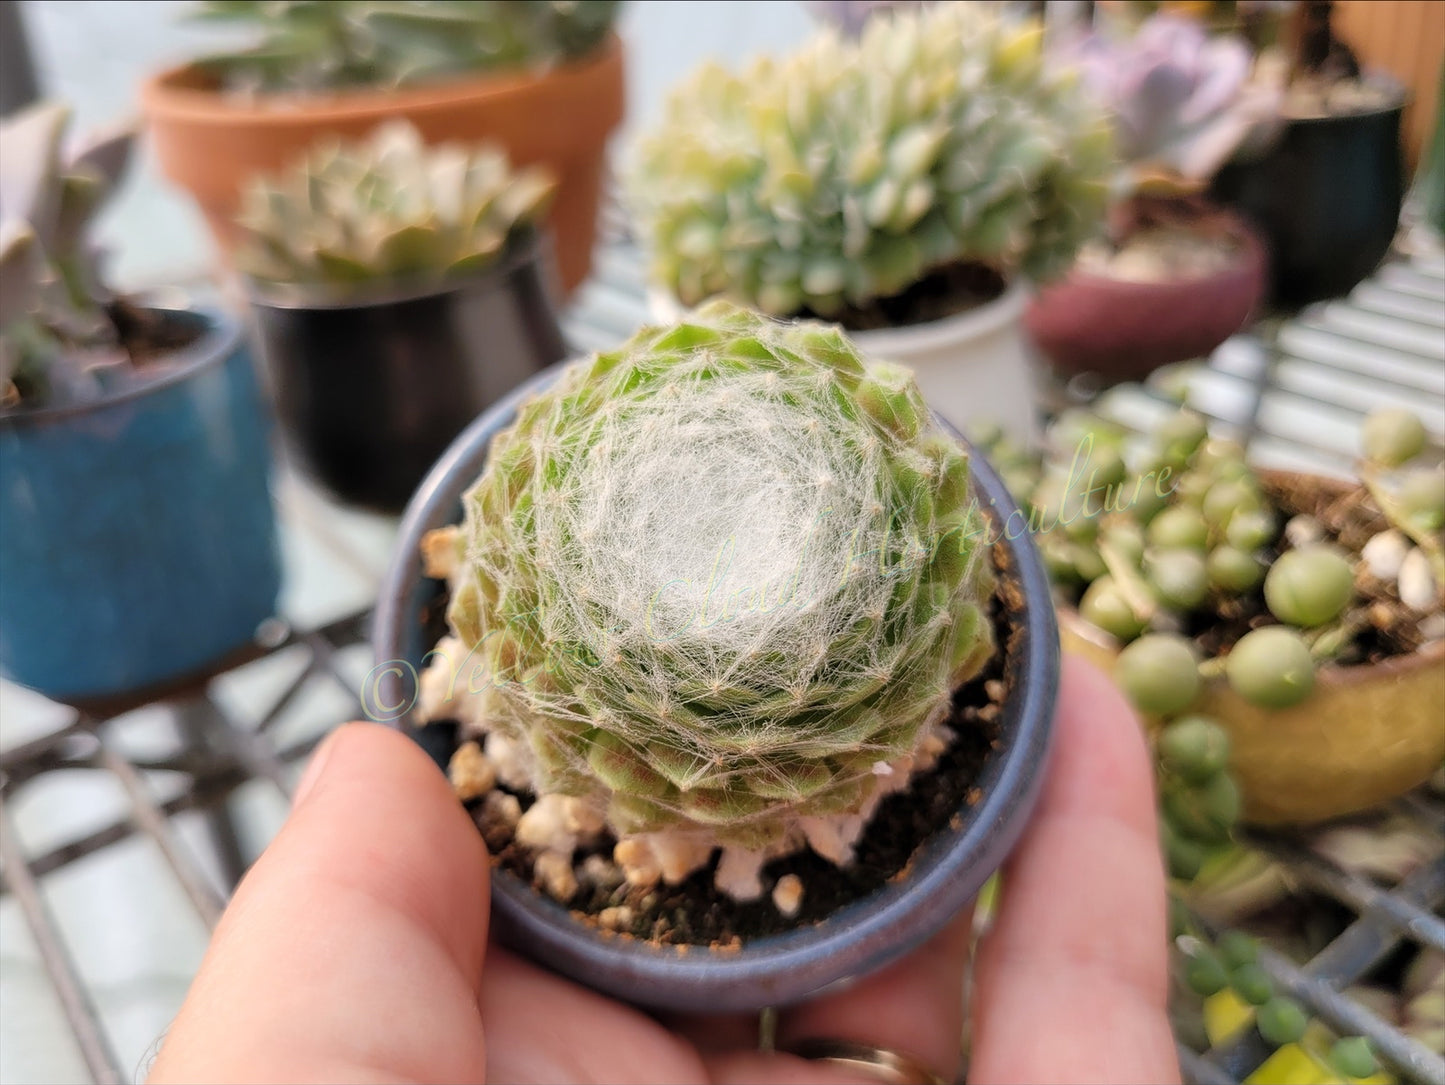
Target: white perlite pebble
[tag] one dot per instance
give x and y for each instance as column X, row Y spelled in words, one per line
column 1432, row 626
column 1384, row 554
column 639, row 866
column 502, row 809
column 510, row 760
column 671, row 856
column 833, row 837
column 739, row 873
column 1302, row 530
column 584, row 819
column 544, row 827
column 470, row 773
column 436, row 693
column 788, row 894
column 441, row 553
column 1416, row 583
column 554, row 871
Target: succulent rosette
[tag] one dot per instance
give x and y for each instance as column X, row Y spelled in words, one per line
column 388, row 208
column 722, row 579
column 850, row 170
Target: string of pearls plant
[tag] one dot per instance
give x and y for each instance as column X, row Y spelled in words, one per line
column 850, row 170
column 715, row 588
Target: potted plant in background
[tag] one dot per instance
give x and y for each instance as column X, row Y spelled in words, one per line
column 733, row 645
column 398, row 290
column 1290, row 626
column 1176, row 275
column 135, row 514
column 908, row 185
column 543, row 78
column 1326, row 194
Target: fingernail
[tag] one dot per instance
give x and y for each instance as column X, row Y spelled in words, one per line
column 316, row 767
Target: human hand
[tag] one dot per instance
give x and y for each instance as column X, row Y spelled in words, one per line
column 356, row 949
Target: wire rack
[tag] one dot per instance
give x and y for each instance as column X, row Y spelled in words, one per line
column 184, row 767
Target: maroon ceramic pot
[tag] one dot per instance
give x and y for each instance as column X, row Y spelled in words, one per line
column 1125, row 330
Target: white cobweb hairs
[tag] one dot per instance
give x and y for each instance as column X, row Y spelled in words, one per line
column 719, row 576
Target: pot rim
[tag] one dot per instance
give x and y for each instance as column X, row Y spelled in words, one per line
column 526, row 248
column 1328, row 676
column 218, row 339
column 1378, row 78
column 171, row 94
column 1250, row 262
column 946, row 870
column 976, row 323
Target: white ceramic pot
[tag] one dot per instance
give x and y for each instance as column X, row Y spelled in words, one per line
column 973, row 367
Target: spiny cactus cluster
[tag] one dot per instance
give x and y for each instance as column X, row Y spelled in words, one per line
column 56, row 337
column 851, row 170
column 319, row 45
column 720, row 577
column 388, row 208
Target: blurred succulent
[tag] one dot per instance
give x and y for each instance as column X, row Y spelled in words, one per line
column 1172, row 533
column 385, row 209
column 320, row 45
column 57, row 339
column 1181, row 99
column 852, row 170
column 721, row 578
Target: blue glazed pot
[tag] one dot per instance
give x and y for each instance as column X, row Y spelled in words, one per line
column 944, row 874
column 137, row 538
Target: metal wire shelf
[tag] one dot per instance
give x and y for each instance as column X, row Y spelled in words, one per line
column 1384, row 344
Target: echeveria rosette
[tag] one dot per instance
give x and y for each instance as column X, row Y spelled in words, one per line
column 312, row 46
column 720, row 574
column 388, row 208
column 851, row 170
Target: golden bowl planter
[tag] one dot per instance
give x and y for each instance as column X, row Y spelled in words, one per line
column 1365, row 735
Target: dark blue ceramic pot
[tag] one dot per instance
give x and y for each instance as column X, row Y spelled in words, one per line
column 137, row 538
column 946, row 871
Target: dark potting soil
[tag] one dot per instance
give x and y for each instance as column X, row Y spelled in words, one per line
column 696, row 912
column 942, row 293
column 150, row 335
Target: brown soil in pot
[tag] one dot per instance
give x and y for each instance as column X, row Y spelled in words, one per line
column 695, row 912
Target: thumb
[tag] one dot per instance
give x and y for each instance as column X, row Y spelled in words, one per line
column 353, row 948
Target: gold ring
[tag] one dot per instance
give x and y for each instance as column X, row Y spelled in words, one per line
column 879, row 1063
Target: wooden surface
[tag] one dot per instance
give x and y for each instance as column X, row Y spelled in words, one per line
column 1407, row 39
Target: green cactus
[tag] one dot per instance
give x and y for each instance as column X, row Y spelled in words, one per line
column 57, row 338
column 388, row 208
column 716, row 576
column 851, row 170
column 319, row 45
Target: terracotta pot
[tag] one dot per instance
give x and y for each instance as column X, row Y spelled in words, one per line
column 210, row 143
column 1125, row 330
column 1366, row 734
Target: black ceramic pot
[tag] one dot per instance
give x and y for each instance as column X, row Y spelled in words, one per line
column 371, row 390
column 1326, row 197
column 945, row 873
